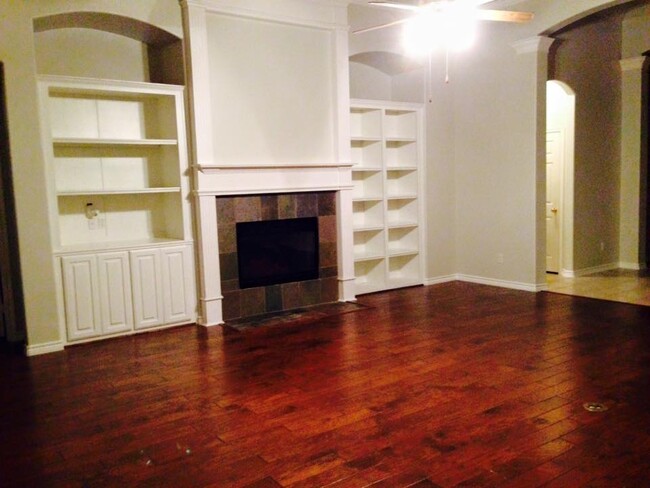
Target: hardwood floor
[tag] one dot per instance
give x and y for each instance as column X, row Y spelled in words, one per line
column 448, row 385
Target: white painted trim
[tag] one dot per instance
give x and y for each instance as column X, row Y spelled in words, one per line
column 568, row 273
column 514, row 285
column 537, row 44
column 632, row 64
column 436, row 280
column 321, row 14
column 44, row 348
column 288, row 189
column 207, row 168
column 634, row 266
column 595, row 269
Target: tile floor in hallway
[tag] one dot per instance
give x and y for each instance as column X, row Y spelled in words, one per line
column 619, row 285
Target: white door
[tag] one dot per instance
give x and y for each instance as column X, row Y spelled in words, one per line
column 115, row 292
column 554, row 164
column 178, row 284
column 147, row 288
column 81, row 296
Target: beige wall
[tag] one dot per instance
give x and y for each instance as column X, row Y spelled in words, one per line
column 121, row 58
column 17, row 50
column 587, row 59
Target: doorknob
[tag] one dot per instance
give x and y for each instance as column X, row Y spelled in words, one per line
column 554, row 210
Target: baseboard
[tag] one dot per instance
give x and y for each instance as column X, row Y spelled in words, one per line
column 514, row 285
column 437, row 280
column 44, row 348
column 634, row 266
column 595, row 269
column 568, row 273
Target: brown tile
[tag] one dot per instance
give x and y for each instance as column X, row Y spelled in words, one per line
column 327, row 228
column 229, row 266
column 253, row 302
column 328, row 272
column 248, row 209
column 329, row 289
column 273, row 298
column 229, row 285
column 227, row 238
column 287, row 206
column 291, row 296
column 311, row 292
column 231, row 305
column 307, row 205
column 225, row 210
column 269, row 207
column 327, row 203
column 327, row 254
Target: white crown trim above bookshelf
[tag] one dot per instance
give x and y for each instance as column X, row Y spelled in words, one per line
column 387, row 152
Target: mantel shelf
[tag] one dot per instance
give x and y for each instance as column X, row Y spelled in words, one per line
column 83, row 142
column 133, row 191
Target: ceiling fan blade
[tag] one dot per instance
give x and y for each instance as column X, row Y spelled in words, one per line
column 382, row 26
column 504, row 16
column 400, row 6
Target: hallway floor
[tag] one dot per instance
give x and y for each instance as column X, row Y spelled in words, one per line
column 618, row 285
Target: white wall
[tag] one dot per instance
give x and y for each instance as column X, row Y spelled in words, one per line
column 486, row 141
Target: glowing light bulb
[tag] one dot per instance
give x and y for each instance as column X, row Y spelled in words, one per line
column 450, row 26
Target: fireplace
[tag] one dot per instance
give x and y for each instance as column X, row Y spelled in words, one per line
column 246, row 227
column 273, row 252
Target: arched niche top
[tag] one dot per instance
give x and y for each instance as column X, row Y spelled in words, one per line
column 115, row 24
column 388, row 63
column 568, row 91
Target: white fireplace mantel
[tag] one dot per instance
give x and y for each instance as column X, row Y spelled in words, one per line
column 269, row 107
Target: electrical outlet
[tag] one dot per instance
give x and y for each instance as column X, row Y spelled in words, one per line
column 500, row 258
column 602, row 246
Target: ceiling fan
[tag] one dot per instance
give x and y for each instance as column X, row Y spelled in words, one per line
column 447, row 7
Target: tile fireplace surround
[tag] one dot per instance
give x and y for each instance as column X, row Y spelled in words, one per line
column 241, row 303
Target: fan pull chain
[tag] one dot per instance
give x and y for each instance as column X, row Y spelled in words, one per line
column 429, row 82
column 447, row 65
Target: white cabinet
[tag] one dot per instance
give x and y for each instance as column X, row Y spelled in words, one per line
column 147, row 288
column 81, row 292
column 113, row 293
column 118, row 187
column 178, row 283
column 387, row 153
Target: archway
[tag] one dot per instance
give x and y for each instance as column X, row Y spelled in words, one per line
column 163, row 50
column 560, row 140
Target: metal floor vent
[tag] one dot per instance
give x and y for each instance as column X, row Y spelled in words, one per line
column 594, row 407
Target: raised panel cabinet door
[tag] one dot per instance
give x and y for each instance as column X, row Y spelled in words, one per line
column 178, row 284
column 146, row 279
column 115, row 292
column 81, row 296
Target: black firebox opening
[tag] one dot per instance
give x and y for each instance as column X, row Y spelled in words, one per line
column 277, row 251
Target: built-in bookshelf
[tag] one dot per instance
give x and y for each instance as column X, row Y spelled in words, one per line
column 119, row 204
column 387, row 154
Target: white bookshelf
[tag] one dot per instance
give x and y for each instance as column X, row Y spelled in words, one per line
column 387, row 153
column 119, row 187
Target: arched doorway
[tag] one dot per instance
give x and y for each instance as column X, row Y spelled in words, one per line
column 560, row 134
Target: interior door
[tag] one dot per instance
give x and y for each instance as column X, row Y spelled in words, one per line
column 554, row 162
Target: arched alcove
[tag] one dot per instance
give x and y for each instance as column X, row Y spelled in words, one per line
column 102, row 45
column 384, row 75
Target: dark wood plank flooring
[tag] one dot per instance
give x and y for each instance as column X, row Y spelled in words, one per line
column 448, row 385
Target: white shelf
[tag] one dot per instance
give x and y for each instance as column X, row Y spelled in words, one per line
column 119, row 245
column 135, row 191
column 387, row 156
column 89, row 142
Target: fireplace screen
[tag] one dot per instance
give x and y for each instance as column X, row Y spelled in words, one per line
column 277, row 251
